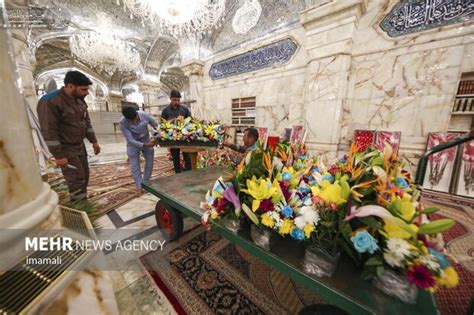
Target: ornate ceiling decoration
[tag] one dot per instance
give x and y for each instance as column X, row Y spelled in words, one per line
column 104, row 50
column 246, row 16
column 174, row 79
column 278, row 14
column 157, row 52
column 179, row 17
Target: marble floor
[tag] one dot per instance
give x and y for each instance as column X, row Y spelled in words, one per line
column 120, row 283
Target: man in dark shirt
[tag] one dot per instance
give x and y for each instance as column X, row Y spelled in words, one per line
column 65, row 123
column 175, row 110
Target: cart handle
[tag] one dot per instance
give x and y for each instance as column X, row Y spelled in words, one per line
column 421, row 169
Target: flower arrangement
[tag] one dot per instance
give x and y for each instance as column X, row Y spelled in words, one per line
column 189, row 131
column 219, row 157
column 364, row 205
column 271, row 192
column 390, row 228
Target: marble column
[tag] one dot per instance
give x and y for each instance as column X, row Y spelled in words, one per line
column 193, row 70
column 329, row 32
column 114, row 100
column 25, row 201
column 151, row 92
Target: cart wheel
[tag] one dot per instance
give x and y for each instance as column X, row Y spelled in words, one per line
column 169, row 220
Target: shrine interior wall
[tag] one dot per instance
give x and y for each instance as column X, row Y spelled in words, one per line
column 279, row 90
column 406, row 83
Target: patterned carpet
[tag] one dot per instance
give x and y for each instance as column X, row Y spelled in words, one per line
column 204, row 274
column 460, row 245
column 111, row 185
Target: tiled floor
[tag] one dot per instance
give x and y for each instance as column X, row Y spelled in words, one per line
column 135, row 292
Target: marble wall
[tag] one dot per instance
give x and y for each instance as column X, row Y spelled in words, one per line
column 407, row 83
column 348, row 74
column 279, row 90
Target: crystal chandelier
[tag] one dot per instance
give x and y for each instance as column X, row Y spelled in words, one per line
column 246, row 16
column 192, row 18
column 105, row 51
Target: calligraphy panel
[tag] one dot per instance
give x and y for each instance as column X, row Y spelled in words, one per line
column 411, row 16
column 270, row 55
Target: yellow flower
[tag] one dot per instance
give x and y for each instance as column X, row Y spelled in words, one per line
column 394, row 231
column 286, row 227
column 407, row 210
column 267, row 220
column 214, row 215
column 260, row 190
column 450, row 279
column 330, row 193
column 308, row 229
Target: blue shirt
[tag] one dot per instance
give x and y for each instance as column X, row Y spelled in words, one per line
column 137, row 134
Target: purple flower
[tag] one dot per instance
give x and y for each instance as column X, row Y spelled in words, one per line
column 230, row 195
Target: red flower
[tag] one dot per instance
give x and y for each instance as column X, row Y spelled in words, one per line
column 333, row 169
column 267, row 205
column 220, row 205
column 421, row 276
column 285, row 191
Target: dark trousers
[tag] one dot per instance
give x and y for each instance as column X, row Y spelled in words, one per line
column 176, row 163
column 76, row 180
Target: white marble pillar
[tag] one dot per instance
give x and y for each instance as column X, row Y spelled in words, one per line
column 193, row 70
column 25, row 201
column 114, row 100
column 329, row 32
column 26, row 63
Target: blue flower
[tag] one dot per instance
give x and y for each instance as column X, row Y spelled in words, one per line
column 287, row 211
column 315, row 169
column 303, row 190
column 329, row 178
column 402, row 182
column 364, row 242
column 443, row 262
column 286, row 176
column 297, row 234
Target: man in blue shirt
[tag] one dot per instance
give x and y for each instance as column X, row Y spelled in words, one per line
column 134, row 127
column 174, row 110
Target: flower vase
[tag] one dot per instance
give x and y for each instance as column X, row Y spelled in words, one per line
column 231, row 224
column 397, row 286
column 319, row 262
column 260, row 237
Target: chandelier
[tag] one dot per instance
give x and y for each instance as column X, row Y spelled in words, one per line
column 192, row 18
column 246, row 16
column 105, row 51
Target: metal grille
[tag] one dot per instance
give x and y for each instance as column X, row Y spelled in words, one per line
column 78, row 222
column 24, row 283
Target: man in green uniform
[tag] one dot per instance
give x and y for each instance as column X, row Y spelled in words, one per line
column 64, row 124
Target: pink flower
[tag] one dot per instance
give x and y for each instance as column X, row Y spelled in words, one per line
column 368, row 210
column 421, row 276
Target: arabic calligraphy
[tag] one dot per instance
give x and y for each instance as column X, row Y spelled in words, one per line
column 411, row 16
column 274, row 54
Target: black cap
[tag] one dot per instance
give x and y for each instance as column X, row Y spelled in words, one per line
column 175, row 93
column 77, row 78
